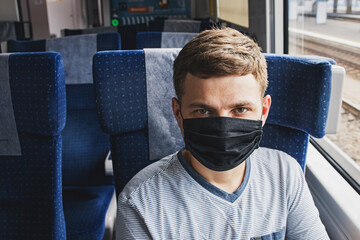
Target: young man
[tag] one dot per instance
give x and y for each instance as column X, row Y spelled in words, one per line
column 221, row 185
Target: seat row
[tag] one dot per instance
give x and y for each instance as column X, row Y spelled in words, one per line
column 64, row 108
column 58, row 180
column 142, row 40
column 129, row 32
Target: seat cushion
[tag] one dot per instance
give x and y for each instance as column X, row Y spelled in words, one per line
column 85, row 210
column 80, row 165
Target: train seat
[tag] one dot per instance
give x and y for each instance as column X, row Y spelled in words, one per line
column 70, row 32
column 127, row 33
column 87, row 190
column 32, row 116
column 180, row 25
column 135, row 113
column 300, row 88
column 163, row 39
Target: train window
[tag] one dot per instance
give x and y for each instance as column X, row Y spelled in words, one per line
column 234, row 11
column 331, row 29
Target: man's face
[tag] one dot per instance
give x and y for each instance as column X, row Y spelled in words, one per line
column 230, row 96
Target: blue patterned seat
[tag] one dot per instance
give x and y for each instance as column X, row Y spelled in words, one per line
column 163, row 39
column 127, row 33
column 31, row 204
column 87, row 191
column 299, row 86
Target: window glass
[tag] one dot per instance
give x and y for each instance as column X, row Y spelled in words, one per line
column 332, row 29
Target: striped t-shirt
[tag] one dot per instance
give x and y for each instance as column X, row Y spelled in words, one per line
column 170, row 200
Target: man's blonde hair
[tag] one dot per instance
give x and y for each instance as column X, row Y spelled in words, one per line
column 220, row 52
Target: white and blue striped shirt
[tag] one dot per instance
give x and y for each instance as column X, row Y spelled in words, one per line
column 169, row 200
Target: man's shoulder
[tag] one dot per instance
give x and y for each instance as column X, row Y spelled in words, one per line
column 157, row 169
column 274, row 161
column 273, row 156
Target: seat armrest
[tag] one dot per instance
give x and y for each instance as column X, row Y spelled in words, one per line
column 108, row 165
column 110, row 219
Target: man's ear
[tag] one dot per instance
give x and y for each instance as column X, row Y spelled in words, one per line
column 176, row 110
column 266, row 103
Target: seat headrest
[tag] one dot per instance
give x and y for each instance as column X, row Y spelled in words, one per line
column 179, row 25
column 77, row 52
column 300, row 89
column 37, row 83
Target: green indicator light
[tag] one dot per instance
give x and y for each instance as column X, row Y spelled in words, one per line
column 115, row 22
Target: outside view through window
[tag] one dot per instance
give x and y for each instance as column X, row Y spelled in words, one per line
column 332, row 29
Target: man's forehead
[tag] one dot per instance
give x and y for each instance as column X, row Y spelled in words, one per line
column 243, row 81
column 227, row 90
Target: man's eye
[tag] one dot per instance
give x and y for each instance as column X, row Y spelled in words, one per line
column 241, row 110
column 203, row 111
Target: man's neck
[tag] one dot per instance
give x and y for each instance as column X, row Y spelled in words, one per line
column 228, row 181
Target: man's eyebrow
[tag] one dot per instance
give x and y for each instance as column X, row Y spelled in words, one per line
column 200, row 105
column 235, row 105
column 242, row 104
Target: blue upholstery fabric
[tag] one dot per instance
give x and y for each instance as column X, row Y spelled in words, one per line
column 85, row 148
column 105, row 41
column 120, row 91
column 108, row 41
column 85, row 209
column 128, row 34
column 30, row 185
column 26, row 46
column 163, row 39
column 124, row 114
column 294, row 142
column 148, row 40
column 32, row 117
column 300, row 89
column 299, row 86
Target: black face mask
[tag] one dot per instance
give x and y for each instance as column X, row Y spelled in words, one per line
column 221, row 143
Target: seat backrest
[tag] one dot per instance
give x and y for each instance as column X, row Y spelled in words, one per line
column 85, row 146
column 33, row 114
column 163, row 39
column 300, row 88
column 137, row 113
column 180, row 25
column 128, row 34
column 70, row 32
